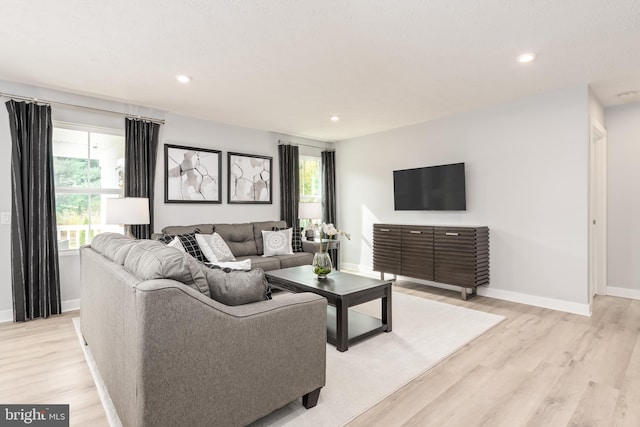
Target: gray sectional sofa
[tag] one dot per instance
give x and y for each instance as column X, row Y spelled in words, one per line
column 171, row 355
column 245, row 242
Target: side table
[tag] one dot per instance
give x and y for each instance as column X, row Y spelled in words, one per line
column 334, row 249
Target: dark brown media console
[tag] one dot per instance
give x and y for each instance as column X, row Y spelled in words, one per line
column 453, row 255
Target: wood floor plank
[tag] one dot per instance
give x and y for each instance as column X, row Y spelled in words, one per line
column 626, row 413
column 596, row 406
column 41, row 362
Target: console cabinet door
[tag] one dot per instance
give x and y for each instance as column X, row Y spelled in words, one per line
column 387, row 245
column 417, row 251
column 461, row 255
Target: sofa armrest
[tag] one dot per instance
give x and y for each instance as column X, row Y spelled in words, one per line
column 310, row 246
column 232, row 364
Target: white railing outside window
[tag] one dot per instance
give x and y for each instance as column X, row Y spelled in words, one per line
column 74, row 236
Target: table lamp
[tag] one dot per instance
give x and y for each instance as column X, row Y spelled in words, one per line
column 310, row 211
column 128, row 211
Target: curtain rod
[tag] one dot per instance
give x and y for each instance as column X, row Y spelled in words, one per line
column 81, row 107
column 281, row 142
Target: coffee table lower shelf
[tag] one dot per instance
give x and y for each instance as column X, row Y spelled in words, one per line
column 360, row 326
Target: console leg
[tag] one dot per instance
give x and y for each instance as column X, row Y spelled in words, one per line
column 310, row 399
column 464, row 293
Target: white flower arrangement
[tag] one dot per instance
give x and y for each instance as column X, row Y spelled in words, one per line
column 331, row 231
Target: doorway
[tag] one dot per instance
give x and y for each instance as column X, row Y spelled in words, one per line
column 597, row 211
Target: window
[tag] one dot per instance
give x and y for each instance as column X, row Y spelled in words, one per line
column 88, row 165
column 310, row 187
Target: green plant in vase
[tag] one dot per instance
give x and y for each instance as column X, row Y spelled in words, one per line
column 321, row 261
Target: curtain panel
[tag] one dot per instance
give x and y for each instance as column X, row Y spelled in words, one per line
column 35, row 275
column 289, row 184
column 141, row 148
column 328, row 159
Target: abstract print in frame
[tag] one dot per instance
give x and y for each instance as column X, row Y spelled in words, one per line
column 249, row 178
column 192, row 175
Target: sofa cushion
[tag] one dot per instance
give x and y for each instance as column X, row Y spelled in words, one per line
column 214, row 247
column 277, row 242
column 239, row 237
column 265, row 263
column 182, row 229
column 233, row 287
column 113, row 246
column 102, row 240
column 258, row 227
column 294, row 260
column 150, row 259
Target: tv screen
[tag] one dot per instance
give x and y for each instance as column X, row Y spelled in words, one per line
column 434, row 188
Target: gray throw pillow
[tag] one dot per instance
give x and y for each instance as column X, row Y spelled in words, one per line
column 236, row 287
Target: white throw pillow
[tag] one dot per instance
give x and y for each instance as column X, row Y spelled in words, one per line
column 176, row 243
column 214, row 248
column 237, row 265
column 277, row 242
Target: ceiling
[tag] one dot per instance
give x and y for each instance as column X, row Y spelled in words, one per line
column 288, row 65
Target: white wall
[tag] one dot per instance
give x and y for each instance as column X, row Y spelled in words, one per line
column 526, row 169
column 623, row 191
column 181, row 130
column 178, row 130
column 187, row 131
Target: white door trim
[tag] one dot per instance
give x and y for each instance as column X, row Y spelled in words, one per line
column 597, row 210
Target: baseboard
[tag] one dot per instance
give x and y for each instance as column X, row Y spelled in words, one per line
column 71, row 305
column 6, row 316
column 623, row 292
column 74, row 304
column 536, row 301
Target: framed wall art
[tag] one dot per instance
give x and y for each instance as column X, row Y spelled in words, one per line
column 249, row 179
column 192, row 175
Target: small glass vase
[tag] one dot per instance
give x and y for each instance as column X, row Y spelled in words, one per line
column 321, row 264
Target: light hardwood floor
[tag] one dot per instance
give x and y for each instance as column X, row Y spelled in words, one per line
column 537, row 368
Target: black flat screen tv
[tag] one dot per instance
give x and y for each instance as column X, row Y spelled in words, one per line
column 433, row 188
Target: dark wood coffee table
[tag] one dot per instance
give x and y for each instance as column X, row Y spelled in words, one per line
column 342, row 290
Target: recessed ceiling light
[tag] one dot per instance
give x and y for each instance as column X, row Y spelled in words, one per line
column 526, row 57
column 627, row 94
column 183, row 79
column 334, row 118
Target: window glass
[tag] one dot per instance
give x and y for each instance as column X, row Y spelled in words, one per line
column 310, row 188
column 88, row 168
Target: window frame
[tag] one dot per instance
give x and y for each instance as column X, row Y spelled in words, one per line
column 88, row 190
column 305, row 197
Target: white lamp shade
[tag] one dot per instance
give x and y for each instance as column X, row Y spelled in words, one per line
column 128, row 211
column 310, row 210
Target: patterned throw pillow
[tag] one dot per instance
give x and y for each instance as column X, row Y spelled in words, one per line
column 189, row 243
column 277, row 242
column 166, row 238
column 296, row 238
column 215, row 248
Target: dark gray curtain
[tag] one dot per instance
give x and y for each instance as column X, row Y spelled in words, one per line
column 35, row 275
column 329, row 187
column 289, row 184
column 141, row 147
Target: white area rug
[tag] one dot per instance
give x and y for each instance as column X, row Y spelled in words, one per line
column 424, row 333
